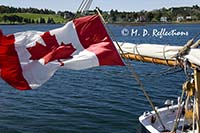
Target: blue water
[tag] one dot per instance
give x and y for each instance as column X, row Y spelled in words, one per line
column 101, row 100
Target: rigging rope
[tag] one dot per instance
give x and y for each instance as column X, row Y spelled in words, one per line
column 186, row 48
column 135, row 75
column 165, row 55
column 194, row 111
column 186, row 104
column 178, row 113
column 187, row 88
column 180, row 57
column 138, row 53
column 168, row 71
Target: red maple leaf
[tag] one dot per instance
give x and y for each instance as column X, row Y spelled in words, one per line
column 52, row 50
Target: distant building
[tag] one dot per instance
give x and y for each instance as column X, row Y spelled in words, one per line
column 141, row 19
column 66, row 15
column 163, row 19
column 188, row 17
column 179, row 18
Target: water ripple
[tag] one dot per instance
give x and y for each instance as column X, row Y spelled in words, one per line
column 100, row 100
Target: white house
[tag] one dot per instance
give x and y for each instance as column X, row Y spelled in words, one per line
column 179, row 18
column 163, row 19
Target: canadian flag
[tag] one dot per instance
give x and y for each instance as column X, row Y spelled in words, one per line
column 28, row 59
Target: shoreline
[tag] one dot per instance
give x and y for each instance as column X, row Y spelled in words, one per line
column 116, row 23
column 30, row 24
column 151, row 23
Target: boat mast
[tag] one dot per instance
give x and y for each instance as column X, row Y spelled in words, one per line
column 197, row 97
column 84, row 6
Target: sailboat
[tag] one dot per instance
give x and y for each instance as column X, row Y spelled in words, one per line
column 182, row 117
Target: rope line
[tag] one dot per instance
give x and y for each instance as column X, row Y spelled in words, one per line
column 138, row 53
column 135, row 75
column 178, row 113
column 165, row 55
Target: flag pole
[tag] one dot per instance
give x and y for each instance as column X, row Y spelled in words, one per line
column 134, row 74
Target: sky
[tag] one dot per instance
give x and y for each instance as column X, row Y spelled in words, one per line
column 106, row 5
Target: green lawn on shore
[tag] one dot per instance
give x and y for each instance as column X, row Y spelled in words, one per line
column 32, row 16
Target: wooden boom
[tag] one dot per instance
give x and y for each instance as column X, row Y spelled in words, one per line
column 150, row 59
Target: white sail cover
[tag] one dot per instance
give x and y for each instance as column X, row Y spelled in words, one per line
column 159, row 51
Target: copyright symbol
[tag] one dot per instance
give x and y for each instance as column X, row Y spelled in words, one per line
column 125, row 32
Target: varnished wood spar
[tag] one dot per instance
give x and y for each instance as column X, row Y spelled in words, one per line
column 197, row 97
column 150, row 59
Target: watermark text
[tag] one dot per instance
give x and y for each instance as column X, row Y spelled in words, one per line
column 159, row 33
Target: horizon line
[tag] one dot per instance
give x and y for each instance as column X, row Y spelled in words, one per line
column 104, row 10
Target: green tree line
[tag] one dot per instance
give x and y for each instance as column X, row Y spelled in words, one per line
column 7, row 9
column 174, row 14
column 18, row 19
column 160, row 15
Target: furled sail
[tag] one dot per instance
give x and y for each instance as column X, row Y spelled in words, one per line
column 165, row 52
